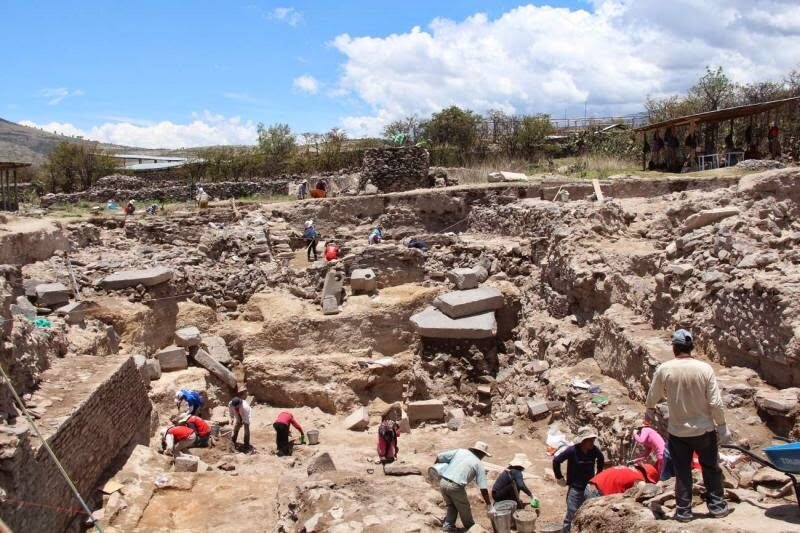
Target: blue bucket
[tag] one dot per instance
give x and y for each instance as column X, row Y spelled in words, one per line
column 785, row 456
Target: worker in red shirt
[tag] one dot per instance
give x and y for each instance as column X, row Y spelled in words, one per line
column 282, row 429
column 177, row 438
column 332, row 251
column 618, row 479
column 200, row 427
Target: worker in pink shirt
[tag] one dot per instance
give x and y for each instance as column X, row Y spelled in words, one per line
column 282, row 429
column 653, row 445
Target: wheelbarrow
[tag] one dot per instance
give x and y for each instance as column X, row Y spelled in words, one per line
column 785, row 458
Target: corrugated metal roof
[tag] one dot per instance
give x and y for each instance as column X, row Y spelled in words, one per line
column 153, row 157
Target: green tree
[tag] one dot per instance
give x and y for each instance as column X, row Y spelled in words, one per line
column 72, row 166
column 453, row 126
column 276, row 143
column 531, row 133
column 714, row 90
column 408, row 127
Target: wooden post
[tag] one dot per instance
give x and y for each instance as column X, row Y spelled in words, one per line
column 644, row 155
column 16, row 194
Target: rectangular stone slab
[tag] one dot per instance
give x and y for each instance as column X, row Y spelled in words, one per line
column 434, row 324
column 459, row 304
column 363, row 280
column 204, row 359
column 132, row 278
column 172, row 358
column 425, row 410
column 358, row 420
column 51, row 294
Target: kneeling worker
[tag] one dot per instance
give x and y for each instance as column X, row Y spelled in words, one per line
column 200, row 428
column 510, row 483
column 618, row 479
column 176, row 439
column 282, row 429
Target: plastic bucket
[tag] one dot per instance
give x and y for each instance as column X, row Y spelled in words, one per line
column 785, row 456
column 502, row 515
column 215, row 430
column 313, row 436
column 433, row 476
column 526, row 521
column 550, row 527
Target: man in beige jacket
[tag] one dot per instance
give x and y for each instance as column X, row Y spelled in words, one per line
column 696, row 424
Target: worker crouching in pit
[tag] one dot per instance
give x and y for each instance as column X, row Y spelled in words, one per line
column 176, row 439
column 282, row 432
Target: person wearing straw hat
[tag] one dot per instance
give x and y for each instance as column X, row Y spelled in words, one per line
column 510, row 483
column 463, row 466
column 581, row 459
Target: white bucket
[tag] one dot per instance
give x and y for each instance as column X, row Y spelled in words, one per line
column 502, row 515
column 313, row 436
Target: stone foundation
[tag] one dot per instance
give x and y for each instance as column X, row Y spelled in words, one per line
column 396, row 169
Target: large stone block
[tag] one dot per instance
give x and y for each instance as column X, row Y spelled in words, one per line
column 330, row 306
column 50, row 294
column 432, row 323
column 425, row 410
column 455, row 418
column 321, row 462
column 172, row 358
column 132, row 278
column 537, row 409
column 334, row 285
column 363, row 280
column 358, row 420
column 187, row 337
column 217, row 348
column 153, row 369
column 459, row 304
column 186, row 463
column 74, row 312
column 465, row 278
column 204, row 359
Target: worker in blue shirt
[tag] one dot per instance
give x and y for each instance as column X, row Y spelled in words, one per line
column 581, row 459
column 192, row 398
column 462, row 467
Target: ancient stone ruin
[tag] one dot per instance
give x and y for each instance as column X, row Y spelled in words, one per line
column 521, row 318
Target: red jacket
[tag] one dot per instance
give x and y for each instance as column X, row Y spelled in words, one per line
column 200, row 425
column 616, row 480
column 288, row 418
column 331, row 252
column 180, row 432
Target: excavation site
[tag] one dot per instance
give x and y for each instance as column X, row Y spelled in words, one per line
column 510, row 319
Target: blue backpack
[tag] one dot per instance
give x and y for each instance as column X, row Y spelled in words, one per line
column 310, row 233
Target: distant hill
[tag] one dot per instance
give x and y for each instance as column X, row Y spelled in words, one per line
column 31, row 145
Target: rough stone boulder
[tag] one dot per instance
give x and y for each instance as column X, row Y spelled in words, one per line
column 708, row 216
column 321, row 462
column 612, row 514
column 131, row 278
column 467, row 278
column 217, row 348
column 432, row 323
column 459, row 304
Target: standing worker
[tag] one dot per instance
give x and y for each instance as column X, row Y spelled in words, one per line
column 463, row 466
column 176, row 439
column 200, row 427
column 194, row 402
column 696, row 424
column 239, row 411
column 510, row 483
column 581, row 460
column 311, row 235
column 282, row 430
column 388, row 432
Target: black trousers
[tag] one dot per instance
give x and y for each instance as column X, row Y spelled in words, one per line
column 282, row 438
column 311, row 248
column 681, row 450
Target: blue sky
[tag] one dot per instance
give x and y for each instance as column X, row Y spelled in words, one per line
column 184, row 73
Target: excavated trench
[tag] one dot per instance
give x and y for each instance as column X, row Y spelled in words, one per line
column 590, row 292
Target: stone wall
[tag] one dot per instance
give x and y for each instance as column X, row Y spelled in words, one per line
column 179, row 192
column 396, row 169
column 88, row 436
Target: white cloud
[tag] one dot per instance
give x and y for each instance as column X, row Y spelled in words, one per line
column 541, row 58
column 306, row 83
column 205, row 129
column 289, row 15
column 55, row 95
